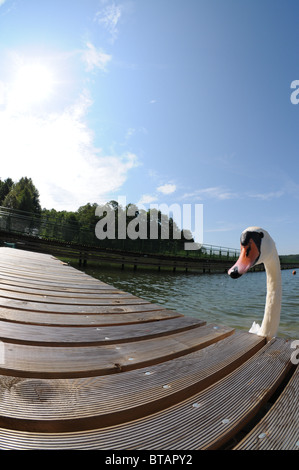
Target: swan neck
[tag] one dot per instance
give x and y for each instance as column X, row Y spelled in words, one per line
column 273, row 300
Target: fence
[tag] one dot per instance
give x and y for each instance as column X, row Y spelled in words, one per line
column 43, row 226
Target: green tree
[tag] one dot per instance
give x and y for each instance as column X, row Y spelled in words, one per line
column 86, row 215
column 5, row 187
column 23, row 196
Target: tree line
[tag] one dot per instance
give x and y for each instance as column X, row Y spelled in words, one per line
column 79, row 226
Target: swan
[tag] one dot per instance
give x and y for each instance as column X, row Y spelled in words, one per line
column 258, row 247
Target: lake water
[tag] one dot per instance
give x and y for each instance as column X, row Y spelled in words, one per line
column 215, row 298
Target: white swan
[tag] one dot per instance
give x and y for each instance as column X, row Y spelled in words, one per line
column 258, row 247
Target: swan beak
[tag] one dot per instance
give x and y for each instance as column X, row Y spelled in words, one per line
column 248, row 257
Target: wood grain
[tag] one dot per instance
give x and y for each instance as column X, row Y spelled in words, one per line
column 84, row 365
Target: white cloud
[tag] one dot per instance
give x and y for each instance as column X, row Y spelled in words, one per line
column 220, row 193
column 267, row 196
column 2, row 2
column 57, row 151
column 146, row 199
column 216, row 192
column 95, row 58
column 164, row 189
column 109, row 18
column 167, row 188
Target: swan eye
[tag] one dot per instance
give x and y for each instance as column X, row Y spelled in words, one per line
column 248, row 250
column 261, row 235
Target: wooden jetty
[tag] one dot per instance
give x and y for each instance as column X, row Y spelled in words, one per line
column 84, row 365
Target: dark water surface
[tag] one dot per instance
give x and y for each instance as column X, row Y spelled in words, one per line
column 215, row 298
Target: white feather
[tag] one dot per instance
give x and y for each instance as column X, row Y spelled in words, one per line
column 255, row 329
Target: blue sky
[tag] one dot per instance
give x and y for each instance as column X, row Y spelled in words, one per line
column 160, row 101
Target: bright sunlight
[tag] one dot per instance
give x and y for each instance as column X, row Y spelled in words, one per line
column 33, row 85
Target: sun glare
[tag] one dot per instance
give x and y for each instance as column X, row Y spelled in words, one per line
column 33, row 85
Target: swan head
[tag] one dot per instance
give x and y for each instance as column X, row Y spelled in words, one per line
column 256, row 247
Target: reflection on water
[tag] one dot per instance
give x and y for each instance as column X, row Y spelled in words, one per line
column 215, row 298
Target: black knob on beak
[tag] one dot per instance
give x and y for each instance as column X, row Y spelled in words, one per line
column 234, row 273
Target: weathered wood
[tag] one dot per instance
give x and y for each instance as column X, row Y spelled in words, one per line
column 50, row 284
column 106, row 299
column 105, row 306
column 58, row 288
column 204, row 421
column 279, row 428
column 38, row 335
column 46, row 361
column 85, row 365
column 81, row 404
column 106, row 292
column 117, row 317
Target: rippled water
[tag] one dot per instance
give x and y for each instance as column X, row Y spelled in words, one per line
column 215, row 298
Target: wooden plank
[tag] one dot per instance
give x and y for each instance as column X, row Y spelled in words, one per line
column 56, row 284
column 20, row 288
column 51, row 269
column 105, row 306
column 82, row 404
column 83, row 336
column 7, row 299
column 204, row 421
column 52, row 272
column 38, row 286
column 45, row 361
column 279, row 428
column 51, row 279
column 8, row 254
column 71, row 300
column 45, row 267
column 105, row 318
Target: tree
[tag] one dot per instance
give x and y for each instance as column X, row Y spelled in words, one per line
column 86, row 215
column 5, row 187
column 23, row 196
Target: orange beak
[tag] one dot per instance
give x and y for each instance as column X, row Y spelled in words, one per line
column 248, row 257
